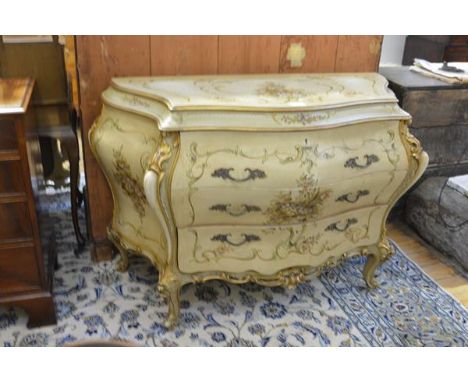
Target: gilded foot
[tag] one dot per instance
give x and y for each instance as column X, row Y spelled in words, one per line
column 378, row 255
column 170, row 292
column 122, row 264
column 373, row 261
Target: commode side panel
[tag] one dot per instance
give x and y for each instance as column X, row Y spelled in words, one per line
column 124, row 143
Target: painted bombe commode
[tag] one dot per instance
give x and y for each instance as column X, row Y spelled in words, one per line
column 253, row 178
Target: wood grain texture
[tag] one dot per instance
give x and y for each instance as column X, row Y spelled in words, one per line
column 249, row 54
column 320, row 54
column 39, row 307
column 173, row 55
column 11, row 180
column 69, row 52
column 25, row 276
column 43, row 62
column 455, row 138
column 439, row 114
column 358, row 53
column 431, row 108
column 99, row 58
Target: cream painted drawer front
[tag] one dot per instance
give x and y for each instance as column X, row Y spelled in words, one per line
column 262, row 206
column 269, row 249
column 253, row 160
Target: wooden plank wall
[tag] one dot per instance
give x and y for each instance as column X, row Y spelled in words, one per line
column 99, row 58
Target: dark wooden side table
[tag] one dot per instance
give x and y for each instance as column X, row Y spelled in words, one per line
column 69, row 141
column 26, row 239
column 440, row 117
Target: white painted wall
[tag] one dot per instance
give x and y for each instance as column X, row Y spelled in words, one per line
column 392, row 49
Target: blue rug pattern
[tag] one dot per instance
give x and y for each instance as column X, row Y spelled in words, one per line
column 94, row 301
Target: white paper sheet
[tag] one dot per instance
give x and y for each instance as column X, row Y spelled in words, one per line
column 432, row 69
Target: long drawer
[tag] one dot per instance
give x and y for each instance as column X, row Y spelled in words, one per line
column 254, row 160
column 269, row 249
column 309, row 201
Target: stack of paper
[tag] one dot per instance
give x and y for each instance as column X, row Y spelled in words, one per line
column 459, row 183
column 433, row 69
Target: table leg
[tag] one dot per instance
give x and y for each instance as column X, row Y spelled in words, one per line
column 71, row 146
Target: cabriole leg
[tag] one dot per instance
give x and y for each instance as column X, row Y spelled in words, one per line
column 376, row 256
column 169, row 288
column 122, row 264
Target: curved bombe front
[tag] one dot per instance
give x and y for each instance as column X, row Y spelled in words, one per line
column 246, row 196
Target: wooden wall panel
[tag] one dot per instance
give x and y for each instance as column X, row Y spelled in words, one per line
column 320, row 54
column 171, row 55
column 43, row 62
column 358, row 53
column 249, row 54
column 99, row 58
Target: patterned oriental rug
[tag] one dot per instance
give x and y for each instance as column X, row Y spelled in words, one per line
column 94, row 302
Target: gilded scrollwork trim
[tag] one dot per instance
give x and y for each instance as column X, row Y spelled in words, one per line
column 289, row 277
column 417, row 162
column 163, row 157
column 163, row 153
column 164, row 162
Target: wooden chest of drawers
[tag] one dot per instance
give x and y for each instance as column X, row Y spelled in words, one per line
column 25, row 266
column 439, row 113
column 253, row 178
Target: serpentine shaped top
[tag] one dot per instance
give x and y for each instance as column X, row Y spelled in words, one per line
column 267, row 101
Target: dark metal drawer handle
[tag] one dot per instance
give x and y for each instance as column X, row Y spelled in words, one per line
column 370, row 158
column 245, row 208
column 224, row 238
column 224, row 173
column 352, row 197
column 335, row 227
